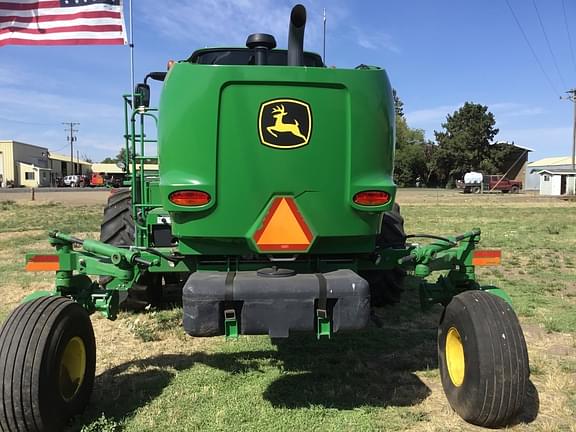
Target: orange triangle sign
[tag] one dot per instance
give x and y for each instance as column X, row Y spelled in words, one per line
column 283, row 228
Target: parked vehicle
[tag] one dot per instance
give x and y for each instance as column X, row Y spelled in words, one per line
column 97, row 179
column 72, row 180
column 475, row 182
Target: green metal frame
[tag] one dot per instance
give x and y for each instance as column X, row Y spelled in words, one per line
column 125, row 265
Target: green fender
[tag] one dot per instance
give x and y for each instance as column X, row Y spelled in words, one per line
column 498, row 292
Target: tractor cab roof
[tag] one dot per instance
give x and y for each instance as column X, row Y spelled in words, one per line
column 245, row 56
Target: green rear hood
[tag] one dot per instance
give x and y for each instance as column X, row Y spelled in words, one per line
column 214, row 136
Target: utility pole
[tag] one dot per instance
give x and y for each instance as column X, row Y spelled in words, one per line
column 71, row 138
column 572, row 97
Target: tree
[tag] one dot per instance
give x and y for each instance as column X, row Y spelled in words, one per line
column 410, row 158
column 464, row 144
column 120, row 157
column 398, row 104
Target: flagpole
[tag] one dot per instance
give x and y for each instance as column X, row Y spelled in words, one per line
column 324, row 40
column 131, row 49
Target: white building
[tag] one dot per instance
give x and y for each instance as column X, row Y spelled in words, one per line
column 557, row 182
column 27, row 165
column 23, row 164
column 532, row 182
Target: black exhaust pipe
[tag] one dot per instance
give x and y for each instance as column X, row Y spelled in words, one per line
column 296, row 36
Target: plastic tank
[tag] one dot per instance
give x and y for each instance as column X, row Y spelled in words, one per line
column 473, row 177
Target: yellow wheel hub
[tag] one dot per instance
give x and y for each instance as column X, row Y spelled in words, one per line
column 455, row 357
column 72, row 368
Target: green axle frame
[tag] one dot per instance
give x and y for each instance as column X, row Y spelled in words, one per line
column 125, row 265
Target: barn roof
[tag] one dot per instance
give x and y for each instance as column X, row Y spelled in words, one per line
column 551, row 161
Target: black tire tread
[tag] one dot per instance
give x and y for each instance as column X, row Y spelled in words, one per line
column 117, row 226
column 504, row 364
column 24, row 339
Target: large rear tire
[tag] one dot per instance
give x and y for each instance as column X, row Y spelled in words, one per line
column 386, row 286
column 483, row 359
column 47, row 365
column 117, row 224
column 118, row 229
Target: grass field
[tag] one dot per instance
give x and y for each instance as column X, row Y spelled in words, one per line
column 151, row 376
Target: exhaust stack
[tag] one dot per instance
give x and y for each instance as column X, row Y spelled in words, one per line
column 296, row 36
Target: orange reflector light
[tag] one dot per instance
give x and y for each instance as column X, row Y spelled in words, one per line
column 283, row 228
column 372, row 198
column 486, row 257
column 193, row 198
column 43, row 263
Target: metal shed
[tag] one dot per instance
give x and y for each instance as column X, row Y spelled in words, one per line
column 557, row 182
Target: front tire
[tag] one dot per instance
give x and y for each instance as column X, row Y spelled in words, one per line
column 47, row 365
column 483, row 359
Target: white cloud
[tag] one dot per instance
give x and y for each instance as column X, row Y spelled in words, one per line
column 430, row 115
column 375, row 40
column 512, row 109
column 229, row 22
column 40, row 106
column 551, row 141
column 436, row 115
column 226, row 22
column 36, row 117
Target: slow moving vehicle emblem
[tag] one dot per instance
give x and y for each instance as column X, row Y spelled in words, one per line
column 285, row 123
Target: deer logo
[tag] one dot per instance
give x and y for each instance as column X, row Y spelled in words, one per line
column 279, row 112
column 285, row 123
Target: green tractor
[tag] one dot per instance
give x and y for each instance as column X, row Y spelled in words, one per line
column 270, row 210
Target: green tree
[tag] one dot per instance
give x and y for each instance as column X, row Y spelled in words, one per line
column 410, row 158
column 398, row 104
column 120, row 157
column 464, row 144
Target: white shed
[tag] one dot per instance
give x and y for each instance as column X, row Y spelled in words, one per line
column 557, row 182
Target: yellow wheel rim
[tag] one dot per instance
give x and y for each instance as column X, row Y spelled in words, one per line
column 72, row 368
column 455, row 357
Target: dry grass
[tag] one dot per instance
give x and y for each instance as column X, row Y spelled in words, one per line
column 380, row 379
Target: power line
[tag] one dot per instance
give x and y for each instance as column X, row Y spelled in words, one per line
column 532, row 49
column 59, row 148
column 569, row 36
column 548, row 43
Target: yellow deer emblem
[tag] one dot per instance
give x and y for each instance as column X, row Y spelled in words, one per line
column 279, row 112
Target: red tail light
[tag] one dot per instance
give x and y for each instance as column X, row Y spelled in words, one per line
column 190, row 198
column 372, row 198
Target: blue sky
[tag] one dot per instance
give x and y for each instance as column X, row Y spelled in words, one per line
column 438, row 55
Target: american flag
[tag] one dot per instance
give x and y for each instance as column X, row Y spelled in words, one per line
column 61, row 22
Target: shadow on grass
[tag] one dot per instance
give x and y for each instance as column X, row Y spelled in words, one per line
column 371, row 368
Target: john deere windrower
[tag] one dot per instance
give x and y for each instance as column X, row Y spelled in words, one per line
column 270, row 209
